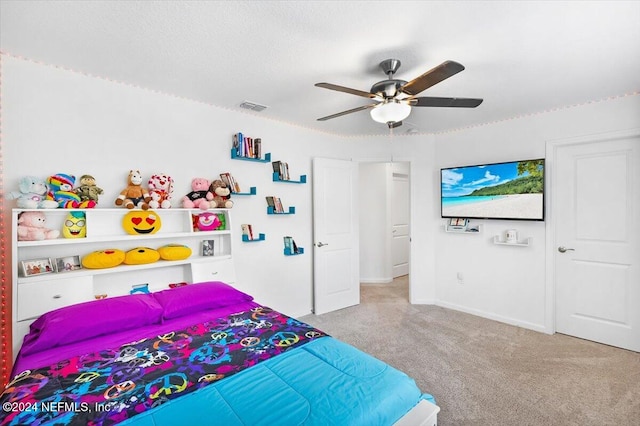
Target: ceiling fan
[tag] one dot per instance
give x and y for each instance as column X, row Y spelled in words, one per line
column 394, row 98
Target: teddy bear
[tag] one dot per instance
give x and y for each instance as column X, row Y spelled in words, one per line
column 61, row 191
column 221, row 195
column 160, row 189
column 31, row 227
column 134, row 195
column 88, row 191
column 32, row 194
column 199, row 196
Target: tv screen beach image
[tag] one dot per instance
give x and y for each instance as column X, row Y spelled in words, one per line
column 512, row 190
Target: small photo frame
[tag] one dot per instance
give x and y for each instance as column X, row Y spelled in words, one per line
column 207, row 247
column 37, row 267
column 67, row 264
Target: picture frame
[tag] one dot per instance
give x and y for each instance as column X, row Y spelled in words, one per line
column 68, row 263
column 37, row 267
column 207, row 247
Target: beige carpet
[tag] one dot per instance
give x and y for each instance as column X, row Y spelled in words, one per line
column 483, row 372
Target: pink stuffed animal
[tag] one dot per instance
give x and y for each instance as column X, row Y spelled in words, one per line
column 31, row 227
column 199, row 196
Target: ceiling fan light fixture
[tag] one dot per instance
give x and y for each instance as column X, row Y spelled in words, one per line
column 390, row 111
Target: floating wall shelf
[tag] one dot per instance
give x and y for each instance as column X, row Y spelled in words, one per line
column 271, row 210
column 288, row 252
column 520, row 243
column 261, row 237
column 266, row 159
column 468, row 230
column 252, row 191
column 276, row 178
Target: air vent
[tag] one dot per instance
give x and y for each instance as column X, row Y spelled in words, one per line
column 252, row 106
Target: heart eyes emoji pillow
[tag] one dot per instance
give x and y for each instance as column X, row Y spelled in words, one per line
column 141, row 222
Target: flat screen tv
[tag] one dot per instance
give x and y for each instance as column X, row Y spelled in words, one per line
column 510, row 191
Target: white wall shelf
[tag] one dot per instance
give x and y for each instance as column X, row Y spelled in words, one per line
column 469, row 230
column 520, row 243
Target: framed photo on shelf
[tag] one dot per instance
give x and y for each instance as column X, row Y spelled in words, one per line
column 207, row 247
column 36, row 267
column 69, row 263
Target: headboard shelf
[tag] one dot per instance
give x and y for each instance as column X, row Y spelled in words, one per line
column 35, row 293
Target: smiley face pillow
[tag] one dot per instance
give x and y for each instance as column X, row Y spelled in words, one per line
column 141, row 222
column 103, row 259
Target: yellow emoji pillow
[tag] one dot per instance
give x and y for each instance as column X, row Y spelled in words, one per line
column 174, row 252
column 141, row 255
column 103, row 259
column 141, row 222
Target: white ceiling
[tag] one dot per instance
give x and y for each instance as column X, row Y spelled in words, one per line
column 522, row 57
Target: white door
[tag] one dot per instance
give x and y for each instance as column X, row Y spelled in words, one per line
column 400, row 225
column 336, row 267
column 596, row 207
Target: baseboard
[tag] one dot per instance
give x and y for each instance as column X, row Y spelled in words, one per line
column 493, row 316
column 376, row 280
column 423, row 302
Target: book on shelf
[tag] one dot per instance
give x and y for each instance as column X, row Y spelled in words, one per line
column 275, row 203
column 271, row 202
column 257, row 148
column 246, row 146
column 278, row 203
column 231, row 182
column 281, row 168
column 247, row 230
column 290, row 243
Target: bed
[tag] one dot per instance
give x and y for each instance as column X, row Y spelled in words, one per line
column 203, row 353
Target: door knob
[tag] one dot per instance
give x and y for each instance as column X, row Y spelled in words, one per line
column 321, row 244
column 563, row 249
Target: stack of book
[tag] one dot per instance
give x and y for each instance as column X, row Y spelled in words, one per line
column 281, row 168
column 230, row 181
column 246, row 146
column 290, row 245
column 276, row 204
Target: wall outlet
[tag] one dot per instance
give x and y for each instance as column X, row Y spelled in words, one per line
column 460, row 278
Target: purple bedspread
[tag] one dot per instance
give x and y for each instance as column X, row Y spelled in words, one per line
column 108, row 386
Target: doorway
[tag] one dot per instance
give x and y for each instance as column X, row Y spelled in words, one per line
column 595, row 238
column 384, row 221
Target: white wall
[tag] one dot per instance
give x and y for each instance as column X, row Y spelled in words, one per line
column 508, row 283
column 54, row 120
column 375, row 249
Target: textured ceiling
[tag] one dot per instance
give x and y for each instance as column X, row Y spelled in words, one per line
column 522, row 57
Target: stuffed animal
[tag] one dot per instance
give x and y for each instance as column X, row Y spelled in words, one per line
column 88, row 191
column 32, row 195
column 31, row 227
column 160, row 189
column 222, row 195
column 61, row 191
column 199, row 196
column 134, row 195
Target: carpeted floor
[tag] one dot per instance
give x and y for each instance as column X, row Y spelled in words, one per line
column 483, row 372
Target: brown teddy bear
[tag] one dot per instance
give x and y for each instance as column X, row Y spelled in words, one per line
column 134, row 195
column 221, row 195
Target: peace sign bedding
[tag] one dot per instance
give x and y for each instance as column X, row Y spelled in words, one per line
column 201, row 354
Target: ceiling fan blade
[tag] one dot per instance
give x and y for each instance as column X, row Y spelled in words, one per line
column 346, row 90
column 445, row 102
column 362, row 108
column 432, row 77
